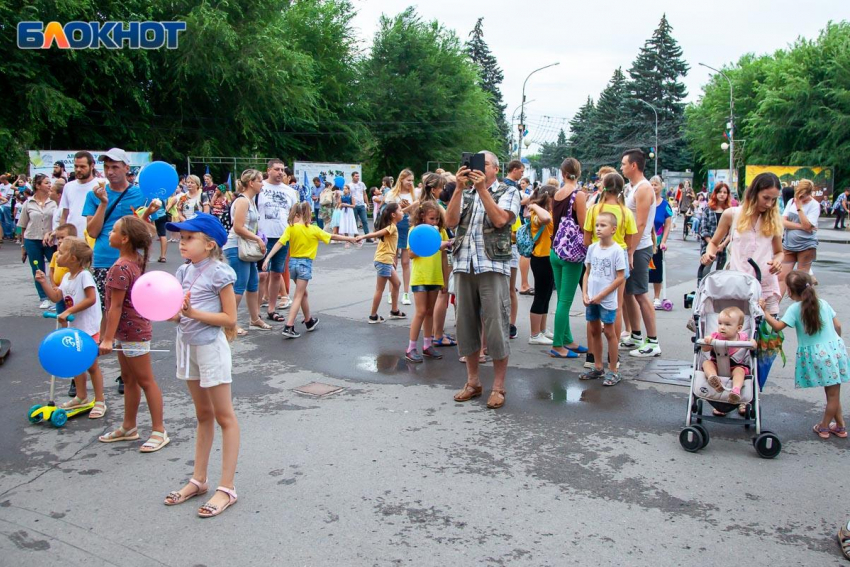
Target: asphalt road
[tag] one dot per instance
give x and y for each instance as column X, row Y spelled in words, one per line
column 390, row 471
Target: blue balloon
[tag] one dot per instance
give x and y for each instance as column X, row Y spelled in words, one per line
column 65, row 353
column 339, row 181
column 424, row 240
column 158, row 180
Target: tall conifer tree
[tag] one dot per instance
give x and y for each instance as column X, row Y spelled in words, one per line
column 491, row 77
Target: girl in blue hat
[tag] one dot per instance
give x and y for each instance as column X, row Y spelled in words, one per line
column 205, row 325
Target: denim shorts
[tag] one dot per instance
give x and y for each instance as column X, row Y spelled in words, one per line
column 599, row 313
column 419, row 288
column 384, row 270
column 278, row 261
column 301, row 268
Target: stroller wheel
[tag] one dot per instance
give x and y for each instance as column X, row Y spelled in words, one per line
column 767, row 445
column 691, row 439
column 705, row 436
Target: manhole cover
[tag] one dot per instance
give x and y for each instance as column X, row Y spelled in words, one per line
column 677, row 372
column 318, row 389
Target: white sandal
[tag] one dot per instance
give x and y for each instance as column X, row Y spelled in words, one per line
column 152, row 445
column 120, row 434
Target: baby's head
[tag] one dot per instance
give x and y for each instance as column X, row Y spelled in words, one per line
column 730, row 322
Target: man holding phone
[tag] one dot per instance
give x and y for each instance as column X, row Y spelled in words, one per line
column 482, row 217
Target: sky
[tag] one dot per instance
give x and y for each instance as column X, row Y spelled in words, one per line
column 591, row 39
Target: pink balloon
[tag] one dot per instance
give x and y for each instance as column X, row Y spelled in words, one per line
column 157, row 296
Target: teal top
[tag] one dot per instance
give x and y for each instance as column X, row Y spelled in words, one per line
column 827, row 332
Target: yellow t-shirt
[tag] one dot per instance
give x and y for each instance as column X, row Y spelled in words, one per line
column 544, row 243
column 56, row 273
column 388, row 246
column 624, row 227
column 304, row 240
column 429, row 270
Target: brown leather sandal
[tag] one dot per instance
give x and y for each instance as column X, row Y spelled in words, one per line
column 469, row 391
column 496, row 399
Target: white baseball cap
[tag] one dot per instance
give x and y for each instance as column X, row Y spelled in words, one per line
column 115, row 154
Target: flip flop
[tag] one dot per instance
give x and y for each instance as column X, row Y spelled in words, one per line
column 529, row 291
column 579, row 349
column 555, row 354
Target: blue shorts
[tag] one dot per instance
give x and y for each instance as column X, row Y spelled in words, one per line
column 599, row 313
column 301, row 268
column 403, row 230
column 278, row 261
column 384, row 270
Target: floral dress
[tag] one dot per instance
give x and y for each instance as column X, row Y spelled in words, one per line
column 821, row 358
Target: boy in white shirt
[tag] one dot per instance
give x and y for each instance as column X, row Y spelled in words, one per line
column 605, row 271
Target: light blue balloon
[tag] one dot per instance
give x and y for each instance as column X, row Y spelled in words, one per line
column 424, row 240
column 339, row 181
column 65, row 353
column 158, row 180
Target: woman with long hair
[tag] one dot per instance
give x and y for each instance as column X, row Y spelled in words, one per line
column 539, row 210
column 402, row 193
column 245, row 219
column 755, row 230
column 800, row 241
column 36, row 222
column 662, row 223
column 719, row 201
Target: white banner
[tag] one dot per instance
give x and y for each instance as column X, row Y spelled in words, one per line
column 305, row 171
column 41, row 161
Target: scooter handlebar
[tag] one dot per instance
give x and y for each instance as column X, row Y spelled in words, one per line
column 52, row 315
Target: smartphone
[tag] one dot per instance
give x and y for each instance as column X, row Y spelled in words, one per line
column 473, row 161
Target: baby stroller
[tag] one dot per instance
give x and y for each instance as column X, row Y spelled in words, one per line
column 717, row 291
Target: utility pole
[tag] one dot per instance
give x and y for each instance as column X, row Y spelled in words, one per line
column 730, row 125
column 656, row 132
column 521, row 126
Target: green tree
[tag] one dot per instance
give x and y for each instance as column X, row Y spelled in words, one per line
column 424, row 96
column 655, row 77
column 609, row 120
column 585, row 146
column 552, row 154
column 491, row 77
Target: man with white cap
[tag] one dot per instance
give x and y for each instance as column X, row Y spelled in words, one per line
column 105, row 206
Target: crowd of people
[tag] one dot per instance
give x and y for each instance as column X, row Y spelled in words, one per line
column 89, row 239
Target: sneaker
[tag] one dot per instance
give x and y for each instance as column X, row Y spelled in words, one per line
column 52, row 307
column 549, row 334
column 285, row 303
column 589, row 361
column 311, row 324
column 431, row 352
column 657, row 304
column 413, row 356
column 405, row 299
column 513, row 331
column 289, row 333
column 591, row 375
column 539, row 339
column 120, row 385
column 631, row 342
column 45, row 304
column 72, row 390
column 647, row 350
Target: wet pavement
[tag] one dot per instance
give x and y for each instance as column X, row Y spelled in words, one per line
column 389, row 470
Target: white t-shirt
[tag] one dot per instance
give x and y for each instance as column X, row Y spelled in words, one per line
column 7, row 192
column 631, row 203
column 74, row 291
column 358, row 192
column 73, row 199
column 274, row 204
column 604, row 264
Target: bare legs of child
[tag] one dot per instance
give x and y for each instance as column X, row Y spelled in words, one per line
column 833, row 420
column 138, row 377
column 395, row 284
column 212, row 405
column 738, row 375
column 441, row 308
column 99, row 410
column 299, row 302
column 424, row 316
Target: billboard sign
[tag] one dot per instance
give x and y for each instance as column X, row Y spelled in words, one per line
column 41, row 161
column 790, row 175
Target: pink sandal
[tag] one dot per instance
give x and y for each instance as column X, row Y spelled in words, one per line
column 823, row 432
column 840, row 432
column 209, row 510
column 175, row 498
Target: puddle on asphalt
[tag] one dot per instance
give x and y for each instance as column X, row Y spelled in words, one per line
column 381, row 364
column 571, row 394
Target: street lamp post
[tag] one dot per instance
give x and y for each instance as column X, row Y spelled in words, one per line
column 513, row 116
column 656, row 132
column 522, row 106
column 731, row 125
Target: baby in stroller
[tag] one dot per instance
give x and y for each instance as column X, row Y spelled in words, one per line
column 730, row 323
